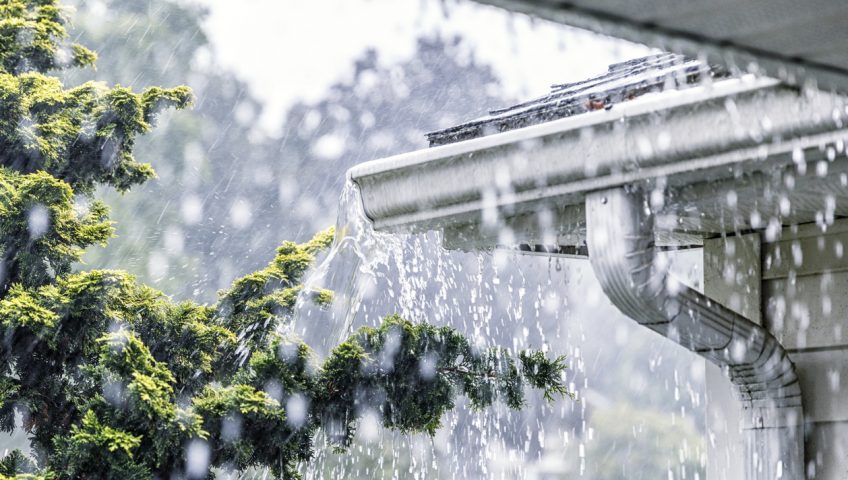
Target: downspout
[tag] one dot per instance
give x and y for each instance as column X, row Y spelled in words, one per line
column 620, row 239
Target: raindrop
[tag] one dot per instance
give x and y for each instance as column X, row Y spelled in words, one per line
column 191, row 209
column 197, row 459
column 821, row 168
column 38, row 220
column 369, row 425
column 296, row 410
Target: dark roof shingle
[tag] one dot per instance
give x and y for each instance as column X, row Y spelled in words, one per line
column 622, row 82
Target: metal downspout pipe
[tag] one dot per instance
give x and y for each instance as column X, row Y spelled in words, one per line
column 620, row 238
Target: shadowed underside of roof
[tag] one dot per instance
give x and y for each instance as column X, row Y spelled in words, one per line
column 622, row 82
column 798, row 42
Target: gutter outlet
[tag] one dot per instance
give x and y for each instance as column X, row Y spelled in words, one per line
column 620, row 239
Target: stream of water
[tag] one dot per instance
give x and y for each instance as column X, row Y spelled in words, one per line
column 348, row 269
column 373, row 274
column 495, row 298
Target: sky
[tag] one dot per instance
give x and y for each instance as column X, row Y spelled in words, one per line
column 290, row 50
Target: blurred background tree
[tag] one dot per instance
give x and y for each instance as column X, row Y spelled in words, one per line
column 613, row 456
column 227, row 189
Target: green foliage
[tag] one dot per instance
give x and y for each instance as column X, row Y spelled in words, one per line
column 55, row 143
column 543, row 373
column 43, row 230
column 257, row 300
column 411, row 373
column 31, row 32
column 114, row 353
column 246, row 427
column 92, row 433
column 8, row 396
column 82, row 136
column 113, row 378
column 16, row 465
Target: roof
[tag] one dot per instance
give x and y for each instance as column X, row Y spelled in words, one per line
column 795, row 41
column 622, row 82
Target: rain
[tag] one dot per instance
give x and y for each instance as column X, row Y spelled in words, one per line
column 669, row 218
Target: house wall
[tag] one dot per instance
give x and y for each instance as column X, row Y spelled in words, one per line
column 798, row 288
column 805, row 299
column 732, row 277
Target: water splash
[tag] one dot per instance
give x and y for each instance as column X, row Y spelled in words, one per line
column 347, row 269
column 495, row 298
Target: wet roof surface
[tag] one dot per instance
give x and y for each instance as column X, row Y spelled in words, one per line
column 622, row 82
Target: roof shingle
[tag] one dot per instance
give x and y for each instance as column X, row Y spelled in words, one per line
column 622, row 82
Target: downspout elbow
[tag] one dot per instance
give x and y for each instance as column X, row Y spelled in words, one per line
column 620, row 239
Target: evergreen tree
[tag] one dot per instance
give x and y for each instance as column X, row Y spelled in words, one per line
column 112, row 378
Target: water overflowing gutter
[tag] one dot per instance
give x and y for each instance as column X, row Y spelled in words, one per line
column 692, row 146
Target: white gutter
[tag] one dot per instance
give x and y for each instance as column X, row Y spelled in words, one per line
column 694, row 133
column 620, row 237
